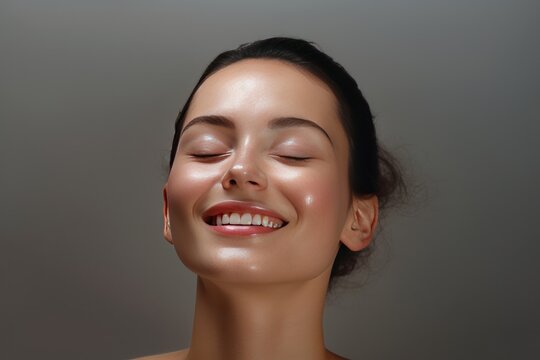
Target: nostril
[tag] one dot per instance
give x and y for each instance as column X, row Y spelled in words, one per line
column 232, row 182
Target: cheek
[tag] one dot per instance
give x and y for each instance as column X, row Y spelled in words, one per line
column 319, row 194
column 320, row 200
column 186, row 183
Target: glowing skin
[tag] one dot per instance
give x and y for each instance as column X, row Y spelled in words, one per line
column 311, row 194
column 261, row 295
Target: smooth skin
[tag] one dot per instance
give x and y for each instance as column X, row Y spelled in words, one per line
column 262, row 296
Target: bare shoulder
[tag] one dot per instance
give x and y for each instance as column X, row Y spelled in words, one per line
column 333, row 356
column 175, row 355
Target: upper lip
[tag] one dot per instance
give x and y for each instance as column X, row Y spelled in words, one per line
column 227, row 207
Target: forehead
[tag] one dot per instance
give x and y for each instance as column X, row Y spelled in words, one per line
column 259, row 89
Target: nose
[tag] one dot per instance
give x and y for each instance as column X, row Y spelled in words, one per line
column 244, row 174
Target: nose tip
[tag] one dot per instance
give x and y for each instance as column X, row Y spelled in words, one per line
column 244, row 176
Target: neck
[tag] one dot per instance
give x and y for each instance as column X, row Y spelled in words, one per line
column 259, row 322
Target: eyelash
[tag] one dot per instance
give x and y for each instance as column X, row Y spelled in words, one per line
column 294, row 158
column 205, row 155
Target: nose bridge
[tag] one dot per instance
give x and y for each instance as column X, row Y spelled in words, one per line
column 244, row 169
column 245, row 153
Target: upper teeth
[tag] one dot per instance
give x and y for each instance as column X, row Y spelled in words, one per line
column 248, row 219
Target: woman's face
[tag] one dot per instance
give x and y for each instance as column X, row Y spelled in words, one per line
column 236, row 155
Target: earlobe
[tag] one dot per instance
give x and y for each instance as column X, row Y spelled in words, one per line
column 361, row 223
column 166, row 219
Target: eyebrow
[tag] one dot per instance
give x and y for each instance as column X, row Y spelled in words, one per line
column 276, row 123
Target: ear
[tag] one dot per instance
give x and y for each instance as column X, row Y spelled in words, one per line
column 166, row 219
column 361, row 222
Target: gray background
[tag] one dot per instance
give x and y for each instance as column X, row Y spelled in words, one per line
column 89, row 93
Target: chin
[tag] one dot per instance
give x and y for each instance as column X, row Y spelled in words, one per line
column 269, row 259
column 237, row 270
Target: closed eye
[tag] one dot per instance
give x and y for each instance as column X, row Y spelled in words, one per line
column 208, row 157
column 204, row 155
column 211, row 156
column 294, row 158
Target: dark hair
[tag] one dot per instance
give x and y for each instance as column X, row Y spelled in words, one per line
column 372, row 170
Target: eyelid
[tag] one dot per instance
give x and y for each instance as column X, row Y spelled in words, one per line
column 296, row 159
column 202, row 155
column 287, row 157
column 201, row 141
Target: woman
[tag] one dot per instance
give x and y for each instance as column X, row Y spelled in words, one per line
column 275, row 188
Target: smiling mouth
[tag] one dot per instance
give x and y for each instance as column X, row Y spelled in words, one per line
column 245, row 220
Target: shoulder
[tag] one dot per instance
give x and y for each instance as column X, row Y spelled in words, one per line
column 333, row 356
column 175, row 355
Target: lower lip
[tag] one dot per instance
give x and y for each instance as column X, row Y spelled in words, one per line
column 239, row 230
